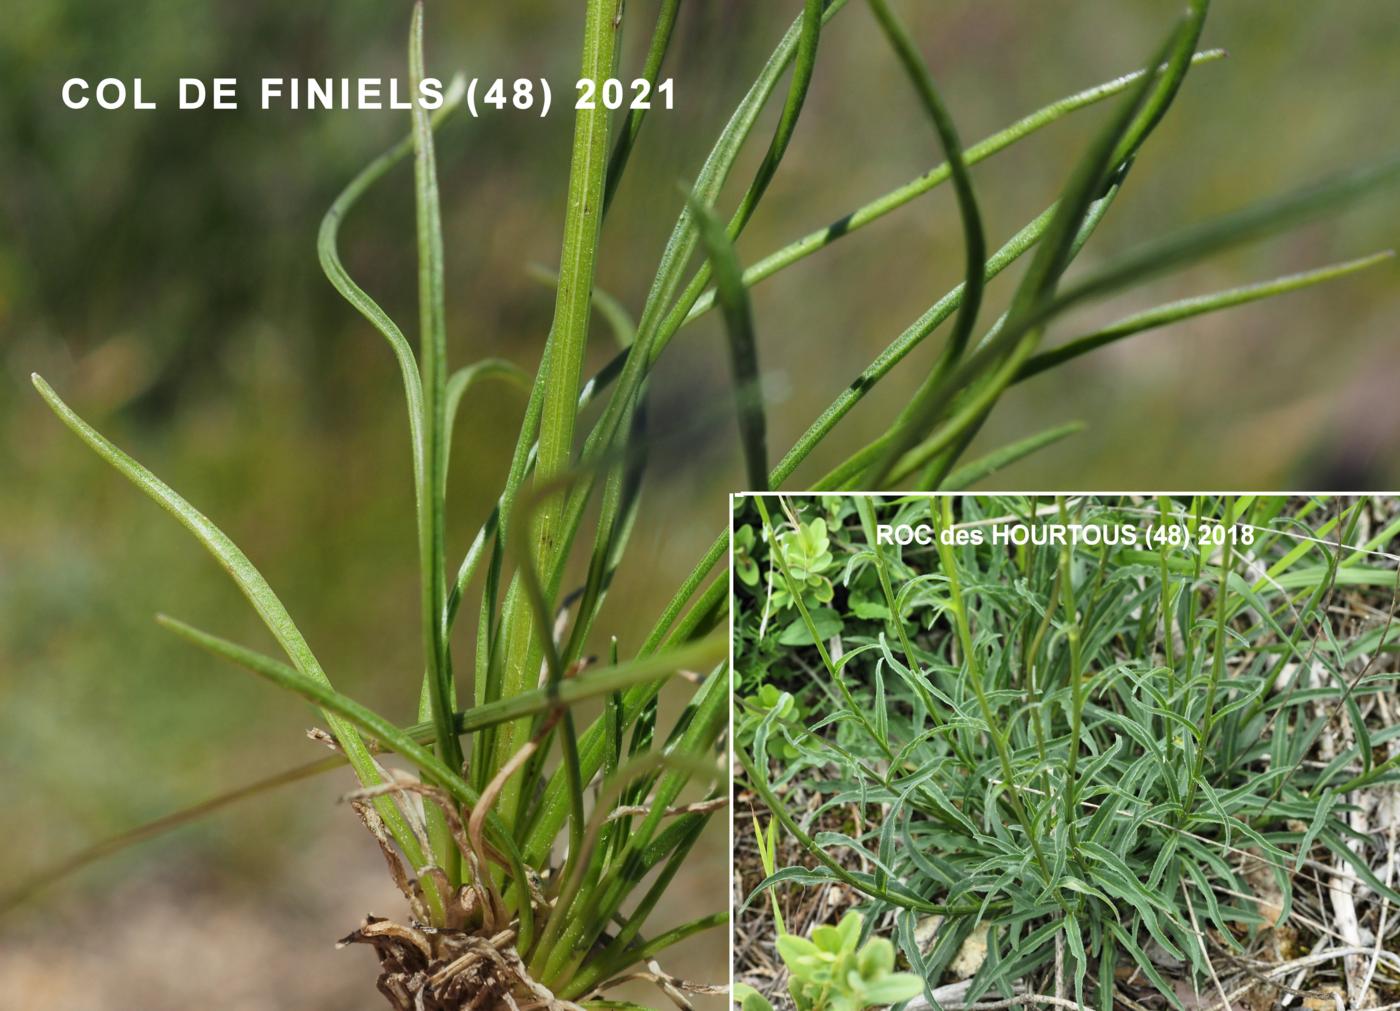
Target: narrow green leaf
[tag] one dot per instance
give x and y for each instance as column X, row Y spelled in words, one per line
column 251, row 582
column 1144, row 963
column 803, row 67
column 591, row 685
column 649, row 950
column 632, row 125
column 462, row 381
column 331, row 701
column 366, row 719
column 1186, row 308
column 743, row 349
column 876, row 209
column 970, row 473
column 157, row 827
column 921, row 409
column 979, row 382
column 1190, row 245
column 328, row 250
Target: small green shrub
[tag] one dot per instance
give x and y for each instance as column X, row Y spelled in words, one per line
column 833, row 971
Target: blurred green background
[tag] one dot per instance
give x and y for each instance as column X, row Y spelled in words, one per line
column 159, row 268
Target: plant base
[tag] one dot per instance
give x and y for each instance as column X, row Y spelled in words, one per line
column 437, row 969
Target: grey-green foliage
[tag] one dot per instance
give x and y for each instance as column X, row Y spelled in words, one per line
column 1105, row 747
column 573, row 489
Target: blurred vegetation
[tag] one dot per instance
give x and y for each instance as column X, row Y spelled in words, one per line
column 159, row 268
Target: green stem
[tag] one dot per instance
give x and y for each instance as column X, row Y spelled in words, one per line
column 795, row 592
column 958, row 605
column 1076, row 682
column 1217, row 667
column 557, row 385
column 432, row 484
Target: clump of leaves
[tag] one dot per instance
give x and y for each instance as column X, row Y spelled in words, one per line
column 1100, row 749
column 531, row 851
column 554, row 889
column 806, row 551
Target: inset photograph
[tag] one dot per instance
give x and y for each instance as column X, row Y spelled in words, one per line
column 1085, row 751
